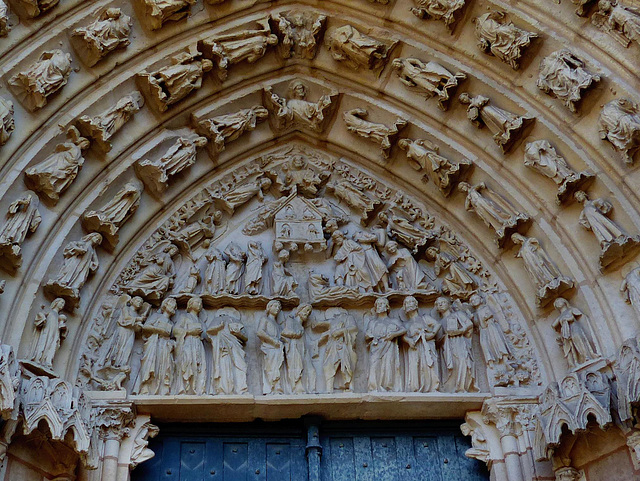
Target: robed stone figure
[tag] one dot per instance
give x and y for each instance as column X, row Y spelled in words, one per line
column 191, row 364
column 50, row 328
column 229, row 367
column 272, row 349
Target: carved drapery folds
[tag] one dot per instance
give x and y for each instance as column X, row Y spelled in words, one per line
column 356, row 49
column 574, row 334
column 506, row 127
column 381, row 134
column 622, row 22
column 22, row 219
column 619, row 123
column 299, row 32
column 43, row 78
column 32, row 8
column 564, row 75
column 7, row 123
column 502, row 39
column 110, row 31
column 9, row 382
column 157, row 12
column 447, row 11
column 222, row 129
column 5, row 26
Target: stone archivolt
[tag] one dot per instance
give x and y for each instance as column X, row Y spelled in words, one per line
column 325, row 258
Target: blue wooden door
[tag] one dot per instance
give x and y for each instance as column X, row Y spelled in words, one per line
column 346, row 451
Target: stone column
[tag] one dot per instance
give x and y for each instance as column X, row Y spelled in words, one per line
column 503, row 417
column 314, row 449
column 113, row 421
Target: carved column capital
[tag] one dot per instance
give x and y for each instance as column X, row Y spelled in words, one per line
column 113, row 420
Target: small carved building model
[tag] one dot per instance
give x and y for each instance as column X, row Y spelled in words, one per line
column 233, row 48
column 157, row 12
column 107, row 33
column 621, row 21
column 619, row 123
column 380, row 134
column 171, row 84
column 7, row 123
column 32, row 8
column 46, row 76
column 357, row 50
column 430, row 79
column 543, row 158
column 506, row 127
column 299, row 32
column 563, row 74
column 447, row 11
column 299, row 223
column 502, row 39
column 104, row 126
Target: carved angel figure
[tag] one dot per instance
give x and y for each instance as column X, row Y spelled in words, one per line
column 564, row 75
column 235, row 269
column 283, row 283
column 502, row 39
column 155, row 174
column 458, row 281
column 458, row 355
column 543, row 158
column 160, row 11
column 339, row 332
column 421, row 366
column 401, row 229
column 614, row 241
column 354, row 198
column 243, row 193
column 157, row 363
column 621, row 21
column 547, row 278
column 430, row 78
column 111, row 216
column 630, row 288
column 56, row 173
column 5, row 27
column 174, row 82
column 80, row 260
column 104, row 126
column 228, row 337
column 296, row 111
column 493, row 341
column 449, row 11
column 405, row 272
column 423, row 156
column 229, row 49
column 7, row 123
column 357, row 50
column 272, row 349
column 380, row 134
column 494, row 211
column 298, row 31
column 23, row 218
column 295, row 352
column 46, row 76
column 191, row 363
column 107, row 33
column 382, row 335
column 619, row 123
column 33, row 8
column 156, row 277
column 577, row 345
column 227, row 128
column 50, row 329
column 505, row 126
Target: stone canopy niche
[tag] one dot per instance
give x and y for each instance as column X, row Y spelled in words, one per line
column 299, row 274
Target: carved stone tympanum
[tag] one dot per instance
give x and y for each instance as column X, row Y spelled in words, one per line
column 430, row 79
column 549, row 281
column 7, row 123
column 174, row 82
column 423, row 156
column 448, row 11
column 43, row 78
column 111, row 216
column 23, row 218
column 103, row 127
column 33, row 8
column 495, row 212
column 615, row 243
column 542, row 157
column 107, row 33
column 80, row 261
column 297, row 111
column 357, row 50
column 299, row 32
column 619, row 123
column 574, row 338
column 619, row 20
column 381, row 134
column 502, row 39
column 228, row 49
column 226, row 128
column 157, row 12
column 155, row 174
column 505, row 126
column 563, row 74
